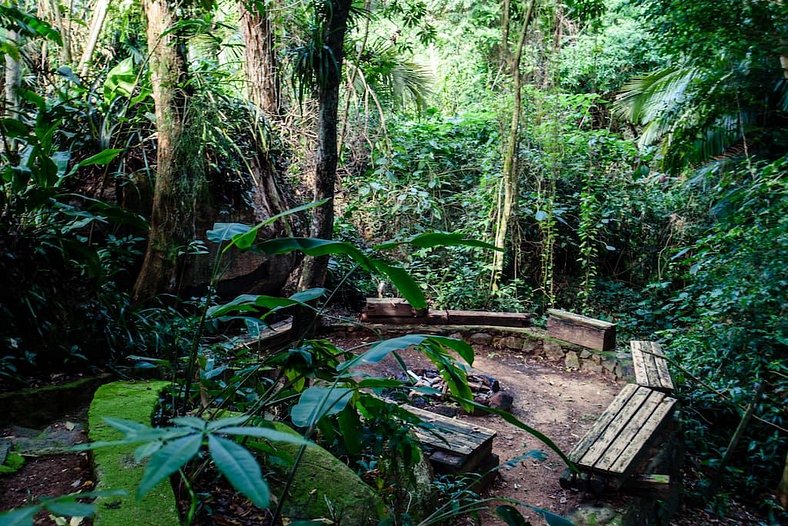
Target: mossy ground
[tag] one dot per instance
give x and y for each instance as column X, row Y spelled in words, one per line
column 13, row 463
column 115, row 466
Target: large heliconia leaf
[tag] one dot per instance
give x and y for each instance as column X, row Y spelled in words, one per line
column 240, row 468
column 252, row 302
column 511, row 515
column 403, row 282
column 246, row 239
column 381, row 350
column 168, row 460
column 317, row 402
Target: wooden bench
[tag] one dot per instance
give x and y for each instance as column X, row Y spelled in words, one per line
column 452, row 446
column 651, row 367
column 581, row 330
column 618, row 439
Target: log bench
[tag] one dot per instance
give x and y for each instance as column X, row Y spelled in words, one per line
column 453, row 446
column 651, row 367
column 581, row 330
column 617, row 441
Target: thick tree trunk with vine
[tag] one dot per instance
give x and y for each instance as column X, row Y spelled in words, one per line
column 315, row 269
column 171, row 224
column 260, row 64
column 510, row 172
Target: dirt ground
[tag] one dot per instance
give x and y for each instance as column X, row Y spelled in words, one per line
column 561, row 404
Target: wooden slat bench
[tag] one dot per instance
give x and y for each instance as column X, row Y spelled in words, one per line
column 651, row 367
column 453, row 446
column 617, row 440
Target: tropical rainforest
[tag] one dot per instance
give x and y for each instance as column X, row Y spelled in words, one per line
column 180, row 174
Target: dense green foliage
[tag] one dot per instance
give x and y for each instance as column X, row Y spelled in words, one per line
column 652, row 191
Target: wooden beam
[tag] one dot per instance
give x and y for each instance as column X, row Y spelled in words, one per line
column 581, row 330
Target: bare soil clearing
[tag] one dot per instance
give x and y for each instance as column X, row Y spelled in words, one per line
column 562, row 404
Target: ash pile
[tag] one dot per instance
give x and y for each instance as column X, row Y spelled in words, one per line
column 486, row 391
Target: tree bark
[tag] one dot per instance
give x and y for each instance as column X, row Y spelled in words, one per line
column 13, row 77
column 171, row 224
column 260, row 64
column 96, row 24
column 510, row 172
column 336, row 15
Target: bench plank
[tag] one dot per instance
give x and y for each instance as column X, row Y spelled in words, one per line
column 617, row 430
column 627, row 437
column 451, row 435
column 643, row 436
column 651, row 367
column 602, row 423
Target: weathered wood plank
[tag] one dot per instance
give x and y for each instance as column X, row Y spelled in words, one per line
column 608, row 440
column 453, row 436
column 640, row 440
column 497, row 319
column 433, row 317
column 581, row 330
column 651, row 367
column 626, row 439
column 385, row 307
column 602, row 422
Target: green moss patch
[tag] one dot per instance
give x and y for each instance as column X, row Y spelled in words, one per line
column 115, row 466
column 324, row 487
column 13, row 463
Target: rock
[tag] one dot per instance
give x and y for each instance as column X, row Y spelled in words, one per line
column 445, row 410
column 572, row 361
column 596, row 516
column 324, row 487
column 480, row 338
column 591, row 367
column 553, row 351
column 510, row 342
column 456, row 335
column 585, row 354
column 502, row 400
column 531, row 346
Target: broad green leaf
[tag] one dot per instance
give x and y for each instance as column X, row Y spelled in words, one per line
column 121, row 80
column 246, row 240
column 403, row 282
column 317, row 402
column 551, row 518
column 70, row 508
column 126, row 426
column 146, row 450
column 314, row 247
column 228, row 422
column 20, row 517
column 190, row 421
column 511, row 515
column 101, row 159
column 222, row 232
column 168, row 460
column 266, row 433
column 251, row 302
column 240, row 468
column 380, row 350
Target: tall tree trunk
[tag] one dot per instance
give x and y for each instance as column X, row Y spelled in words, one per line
column 96, row 24
column 336, row 15
column 171, row 225
column 510, row 172
column 13, row 77
column 260, row 65
column 57, row 15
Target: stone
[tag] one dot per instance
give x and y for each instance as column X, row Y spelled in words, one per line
column 597, row 359
column 591, row 367
column 480, row 338
column 502, row 400
column 456, row 335
column 553, row 351
column 509, row 342
column 531, row 346
column 323, row 486
column 596, row 516
column 585, row 354
column 572, row 361
column 610, row 365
